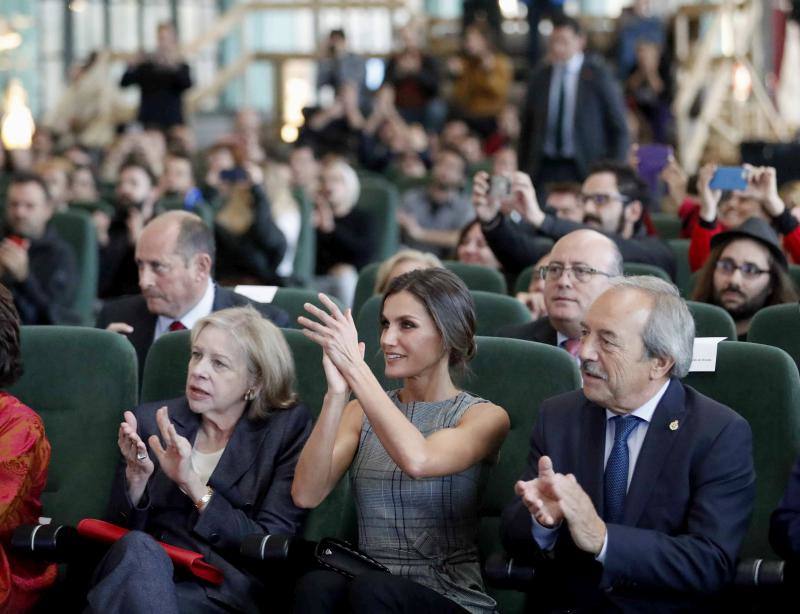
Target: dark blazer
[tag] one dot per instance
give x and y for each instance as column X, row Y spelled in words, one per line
column 47, row 294
column 600, row 130
column 252, row 494
column 686, row 512
column 133, row 310
column 784, row 524
column 539, row 330
column 162, row 88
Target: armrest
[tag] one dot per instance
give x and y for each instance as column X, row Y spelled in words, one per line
column 762, row 572
column 57, row 543
column 503, row 572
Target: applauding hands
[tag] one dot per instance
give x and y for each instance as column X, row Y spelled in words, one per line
column 553, row 498
column 336, row 333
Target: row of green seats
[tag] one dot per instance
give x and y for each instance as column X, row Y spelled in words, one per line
column 91, row 378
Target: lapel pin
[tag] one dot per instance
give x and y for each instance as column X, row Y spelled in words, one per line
column 673, row 426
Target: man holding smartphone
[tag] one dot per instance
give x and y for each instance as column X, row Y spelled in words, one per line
column 613, row 203
column 36, row 264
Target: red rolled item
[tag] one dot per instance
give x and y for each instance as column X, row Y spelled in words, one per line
column 106, row 532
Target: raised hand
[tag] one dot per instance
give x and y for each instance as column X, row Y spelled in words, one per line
column 486, row 207
column 587, row 529
column 138, row 465
column 709, row 199
column 335, row 332
column 174, row 457
column 524, row 195
column 763, row 184
column 539, row 496
column 133, row 449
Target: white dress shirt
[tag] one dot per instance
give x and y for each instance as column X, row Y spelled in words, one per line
column 546, row 537
column 200, row 310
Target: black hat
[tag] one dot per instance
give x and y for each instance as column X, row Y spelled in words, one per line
column 758, row 230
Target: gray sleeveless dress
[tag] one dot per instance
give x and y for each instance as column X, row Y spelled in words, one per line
column 424, row 530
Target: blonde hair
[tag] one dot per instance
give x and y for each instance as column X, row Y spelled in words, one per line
column 382, row 280
column 269, row 361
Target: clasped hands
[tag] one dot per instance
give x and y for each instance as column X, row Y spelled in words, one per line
column 336, row 333
column 553, row 498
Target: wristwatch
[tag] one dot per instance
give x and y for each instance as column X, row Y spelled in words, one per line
column 202, row 502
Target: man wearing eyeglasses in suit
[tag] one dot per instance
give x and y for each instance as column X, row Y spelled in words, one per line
column 581, row 267
column 746, row 270
column 613, row 199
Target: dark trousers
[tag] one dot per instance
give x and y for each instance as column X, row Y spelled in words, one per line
column 136, row 577
column 327, row 592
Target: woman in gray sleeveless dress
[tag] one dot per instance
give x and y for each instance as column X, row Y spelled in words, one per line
column 415, row 455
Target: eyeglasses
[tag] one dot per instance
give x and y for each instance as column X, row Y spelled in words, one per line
column 600, row 200
column 748, row 269
column 581, row 272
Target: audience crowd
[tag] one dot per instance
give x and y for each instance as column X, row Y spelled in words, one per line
column 637, row 491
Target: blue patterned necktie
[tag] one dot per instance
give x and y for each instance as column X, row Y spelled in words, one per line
column 616, row 477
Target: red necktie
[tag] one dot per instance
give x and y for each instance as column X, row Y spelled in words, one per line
column 176, row 325
column 573, row 346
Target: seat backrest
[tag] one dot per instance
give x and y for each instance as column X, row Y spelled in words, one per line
column 165, row 367
column 477, row 277
column 712, row 321
column 380, row 198
column 668, row 225
column 79, row 380
column 531, row 373
column 493, row 311
column 778, row 326
column 683, row 272
column 291, row 300
column 762, row 384
column 365, row 286
column 76, row 229
column 640, row 268
column 523, row 281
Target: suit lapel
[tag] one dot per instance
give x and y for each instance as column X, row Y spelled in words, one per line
column 591, row 452
column 240, row 453
column 185, row 420
column 662, row 433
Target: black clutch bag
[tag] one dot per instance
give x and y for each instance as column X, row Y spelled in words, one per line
column 339, row 556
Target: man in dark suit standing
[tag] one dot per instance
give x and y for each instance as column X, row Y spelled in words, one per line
column 175, row 257
column 581, row 267
column 638, row 489
column 574, row 113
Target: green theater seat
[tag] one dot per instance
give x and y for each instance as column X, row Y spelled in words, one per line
column 79, row 380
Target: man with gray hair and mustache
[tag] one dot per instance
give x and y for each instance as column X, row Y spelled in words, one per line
column 638, row 489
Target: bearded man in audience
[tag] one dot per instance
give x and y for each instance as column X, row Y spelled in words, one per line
column 746, row 270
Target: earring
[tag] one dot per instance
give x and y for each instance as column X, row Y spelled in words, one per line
column 250, row 394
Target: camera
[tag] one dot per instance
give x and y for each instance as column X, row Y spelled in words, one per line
column 499, row 186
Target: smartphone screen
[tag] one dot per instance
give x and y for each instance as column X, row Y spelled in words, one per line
column 729, row 178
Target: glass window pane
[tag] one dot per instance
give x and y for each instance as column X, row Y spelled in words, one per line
column 124, row 18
